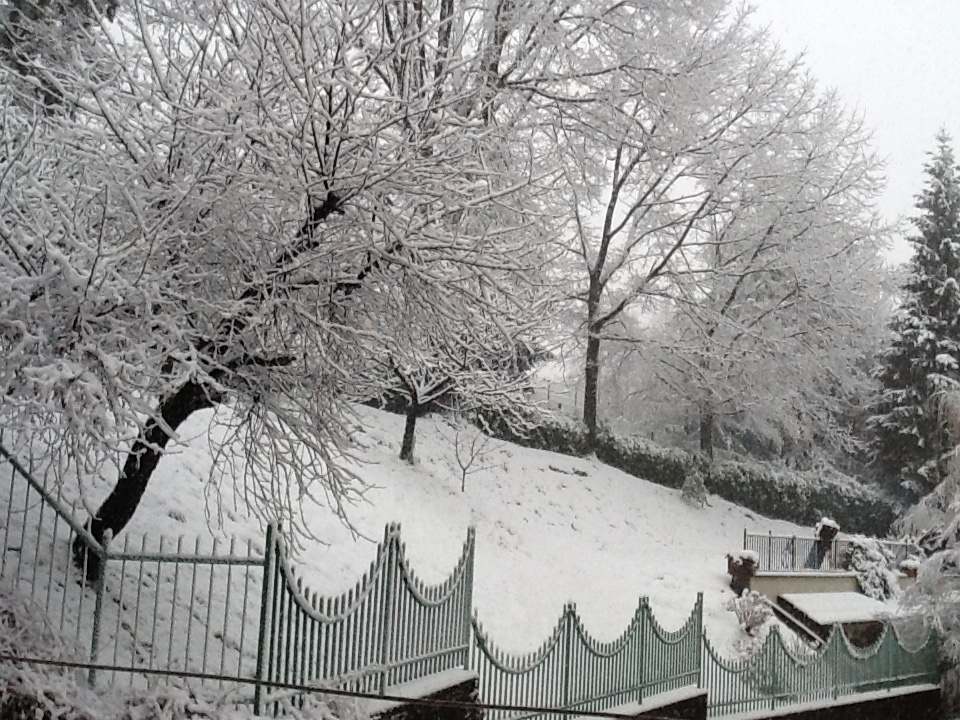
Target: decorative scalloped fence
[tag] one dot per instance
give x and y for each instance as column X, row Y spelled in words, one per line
column 389, row 629
column 775, row 677
column 572, row 670
column 237, row 611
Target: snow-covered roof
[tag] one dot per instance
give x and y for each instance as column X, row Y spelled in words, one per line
column 837, row 607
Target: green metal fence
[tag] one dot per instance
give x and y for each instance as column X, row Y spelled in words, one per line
column 389, row 629
column 573, row 670
column 776, row 678
column 238, row 610
column 163, row 603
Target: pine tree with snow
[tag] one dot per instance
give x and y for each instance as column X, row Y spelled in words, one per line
column 910, row 435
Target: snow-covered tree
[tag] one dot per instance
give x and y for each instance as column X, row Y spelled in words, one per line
column 448, row 355
column 923, row 361
column 767, row 329
column 217, row 220
column 670, row 173
column 934, row 523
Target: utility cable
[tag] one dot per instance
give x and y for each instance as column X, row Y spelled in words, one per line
column 313, row 689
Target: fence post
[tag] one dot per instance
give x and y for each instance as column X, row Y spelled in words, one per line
column 793, row 552
column 467, row 608
column 102, row 556
column 642, row 670
column 269, row 561
column 770, row 551
column 699, row 658
column 386, row 644
column 568, row 612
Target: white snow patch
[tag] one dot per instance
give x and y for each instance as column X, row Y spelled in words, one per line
column 550, row 529
column 838, row 607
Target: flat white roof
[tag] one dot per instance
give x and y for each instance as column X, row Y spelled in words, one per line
column 837, row 607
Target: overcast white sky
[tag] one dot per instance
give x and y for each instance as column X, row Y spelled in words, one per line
column 896, row 61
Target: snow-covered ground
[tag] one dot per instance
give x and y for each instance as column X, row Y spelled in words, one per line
column 550, row 528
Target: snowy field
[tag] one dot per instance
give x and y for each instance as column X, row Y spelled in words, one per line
column 550, row 528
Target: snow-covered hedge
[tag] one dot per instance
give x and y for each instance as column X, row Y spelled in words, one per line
column 803, row 497
column 800, row 497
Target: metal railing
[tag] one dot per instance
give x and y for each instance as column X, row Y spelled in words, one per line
column 169, row 603
column 776, row 678
column 572, row 670
column 226, row 609
column 233, row 610
column 788, row 553
column 389, row 629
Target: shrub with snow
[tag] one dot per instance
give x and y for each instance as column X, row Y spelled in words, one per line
column 694, row 490
column 799, row 497
column 827, row 524
column 753, row 611
column 871, row 561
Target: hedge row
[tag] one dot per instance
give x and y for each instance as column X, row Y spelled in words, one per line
column 799, row 497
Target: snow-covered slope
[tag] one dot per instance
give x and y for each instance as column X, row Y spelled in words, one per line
column 550, row 528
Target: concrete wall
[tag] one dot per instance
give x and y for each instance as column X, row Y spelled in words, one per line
column 691, row 708
column 463, row 692
column 774, row 584
column 923, row 705
column 906, row 581
column 689, row 704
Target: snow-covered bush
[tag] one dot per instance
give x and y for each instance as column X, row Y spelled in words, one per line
column 802, row 497
column 694, row 490
column 872, row 563
column 753, row 611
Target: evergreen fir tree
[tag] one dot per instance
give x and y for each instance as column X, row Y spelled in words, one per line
column 910, row 435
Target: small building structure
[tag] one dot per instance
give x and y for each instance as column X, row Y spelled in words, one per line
column 861, row 617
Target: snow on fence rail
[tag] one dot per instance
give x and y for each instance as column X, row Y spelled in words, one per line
column 238, row 611
column 787, row 553
column 572, row 670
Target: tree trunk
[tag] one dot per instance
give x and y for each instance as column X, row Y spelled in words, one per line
column 409, row 433
column 706, row 430
column 591, row 382
column 120, row 505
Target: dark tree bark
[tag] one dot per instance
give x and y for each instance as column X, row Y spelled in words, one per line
column 591, row 375
column 591, row 383
column 706, row 430
column 409, row 432
column 120, row 505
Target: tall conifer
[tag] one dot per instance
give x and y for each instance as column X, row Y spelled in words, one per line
column 910, row 437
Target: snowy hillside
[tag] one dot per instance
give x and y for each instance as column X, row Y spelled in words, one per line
column 550, row 528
